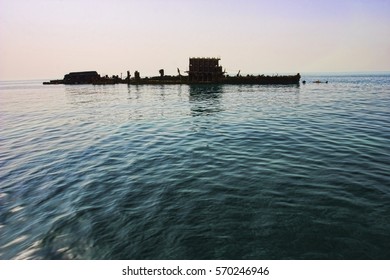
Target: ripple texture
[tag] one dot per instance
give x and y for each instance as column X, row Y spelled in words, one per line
column 200, row 172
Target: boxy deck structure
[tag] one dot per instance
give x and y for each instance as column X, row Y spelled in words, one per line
column 204, row 70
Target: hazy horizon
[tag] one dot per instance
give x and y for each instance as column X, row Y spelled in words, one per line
column 314, row 74
column 46, row 39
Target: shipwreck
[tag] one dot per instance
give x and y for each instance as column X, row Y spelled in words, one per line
column 201, row 71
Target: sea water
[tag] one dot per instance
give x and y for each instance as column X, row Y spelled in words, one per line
column 196, row 172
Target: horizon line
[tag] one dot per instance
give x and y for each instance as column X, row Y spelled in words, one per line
column 244, row 73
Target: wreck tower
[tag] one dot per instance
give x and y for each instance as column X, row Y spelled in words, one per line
column 204, row 70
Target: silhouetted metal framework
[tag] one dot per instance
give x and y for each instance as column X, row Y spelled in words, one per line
column 204, row 70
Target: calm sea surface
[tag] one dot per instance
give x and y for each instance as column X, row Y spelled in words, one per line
column 200, row 172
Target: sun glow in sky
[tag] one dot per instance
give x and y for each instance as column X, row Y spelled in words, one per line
column 45, row 39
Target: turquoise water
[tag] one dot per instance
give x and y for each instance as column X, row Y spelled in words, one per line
column 200, row 172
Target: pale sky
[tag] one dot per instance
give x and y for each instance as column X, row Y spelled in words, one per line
column 45, row 39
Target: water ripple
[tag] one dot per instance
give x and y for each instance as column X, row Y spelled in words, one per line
column 178, row 172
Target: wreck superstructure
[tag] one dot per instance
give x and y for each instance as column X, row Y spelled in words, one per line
column 204, row 70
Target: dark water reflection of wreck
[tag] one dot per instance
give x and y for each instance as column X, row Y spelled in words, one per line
column 205, row 99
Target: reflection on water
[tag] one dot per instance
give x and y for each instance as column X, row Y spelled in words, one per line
column 85, row 95
column 109, row 104
column 205, row 99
